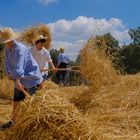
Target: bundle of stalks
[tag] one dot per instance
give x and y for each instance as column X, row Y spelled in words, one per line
column 50, row 85
column 113, row 100
column 96, row 66
column 30, row 33
column 49, row 117
column 114, row 111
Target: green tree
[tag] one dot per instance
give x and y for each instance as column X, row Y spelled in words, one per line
column 54, row 55
column 135, row 35
column 128, row 59
column 128, row 56
column 77, row 61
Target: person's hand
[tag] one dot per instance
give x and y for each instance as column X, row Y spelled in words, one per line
column 40, row 86
column 55, row 69
column 19, row 85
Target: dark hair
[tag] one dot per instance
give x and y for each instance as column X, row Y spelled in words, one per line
column 40, row 40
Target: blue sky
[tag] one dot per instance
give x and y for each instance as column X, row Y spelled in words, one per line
column 72, row 22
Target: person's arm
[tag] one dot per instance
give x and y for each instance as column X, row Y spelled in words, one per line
column 18, row 71
column 18, row 84
column 19, row 59
column 53, row 67
column 48, row 58
column 7, row 65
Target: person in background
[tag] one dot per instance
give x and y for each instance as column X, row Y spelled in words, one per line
column 63, row 61
column 21, row 68
column 41, row 55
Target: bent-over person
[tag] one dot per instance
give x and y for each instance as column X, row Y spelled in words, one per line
column 22, row 68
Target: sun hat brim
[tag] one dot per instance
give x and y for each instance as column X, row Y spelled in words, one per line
column 39, row 38
column 11, row 39
column 7, row 35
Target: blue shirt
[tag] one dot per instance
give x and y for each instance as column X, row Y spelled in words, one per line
column 63, row 58
column 21, row 64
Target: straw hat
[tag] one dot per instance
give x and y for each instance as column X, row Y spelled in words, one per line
column 7, row 35
column 39, row 37
column 61, row 49
column 32, row 33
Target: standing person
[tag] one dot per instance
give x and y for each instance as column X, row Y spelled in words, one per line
column 41, row 55
column 63, row 61
column 21, row 67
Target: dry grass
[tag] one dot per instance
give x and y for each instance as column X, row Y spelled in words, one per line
column 6, row 88
column 112, row 101
column 49, row 117
column 50, row 85
column 29, row 34
column 97, row 67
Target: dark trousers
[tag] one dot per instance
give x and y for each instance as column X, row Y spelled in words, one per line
column 19, row 95
column 61, row 75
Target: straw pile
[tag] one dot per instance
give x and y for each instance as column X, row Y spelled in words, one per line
column 96, row 66
column 50, row 85
column 98, row 70
column 116, row 109
column 48, row 117
column 113, row 100
column 30, row 33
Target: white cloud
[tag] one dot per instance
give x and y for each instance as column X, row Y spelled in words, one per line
column 72, row 34
column 46, row 2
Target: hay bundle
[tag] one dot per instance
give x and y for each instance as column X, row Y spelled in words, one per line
column 50, row 85
column 96, row 66
column 29, row 34
column 48, row 117
column 114, row 100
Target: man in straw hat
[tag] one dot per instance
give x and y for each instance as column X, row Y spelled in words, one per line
column 21, row 67
column 63, row 61
column 41, row 55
